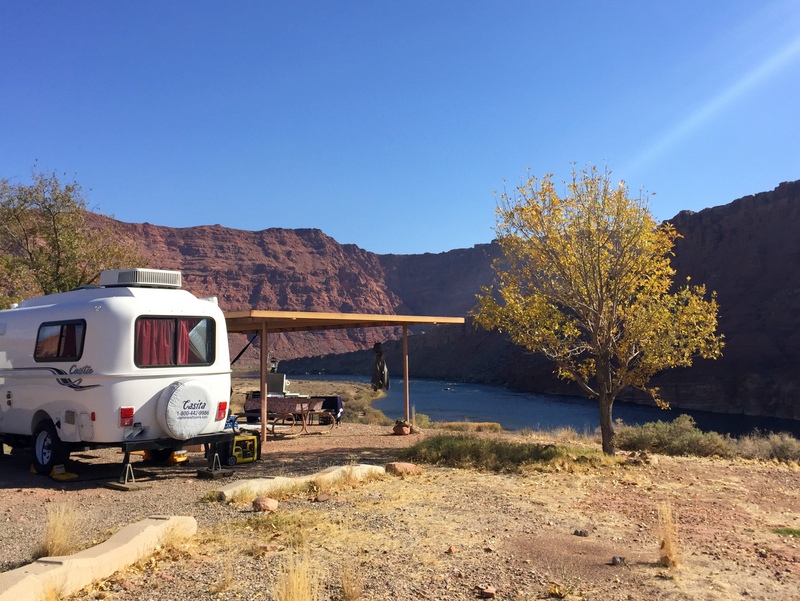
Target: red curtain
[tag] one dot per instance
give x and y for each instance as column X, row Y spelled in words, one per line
column 183, row 341
column 154, row 342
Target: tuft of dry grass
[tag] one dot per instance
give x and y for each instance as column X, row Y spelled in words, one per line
column 668, row 535
column 297, row 581
column 352, row 585
column 175, row 539
column 212, row 496
column 246, row 494
column 226, row 577
column 62, row 524
column 53, row 592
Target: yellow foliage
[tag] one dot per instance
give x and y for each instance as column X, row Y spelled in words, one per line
column 586, row 279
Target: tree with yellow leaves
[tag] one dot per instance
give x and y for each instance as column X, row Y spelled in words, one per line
column 585, row 278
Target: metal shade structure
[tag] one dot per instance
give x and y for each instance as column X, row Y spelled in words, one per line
column 265, row 323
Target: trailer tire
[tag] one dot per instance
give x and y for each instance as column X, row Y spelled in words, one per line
column 185, row 409
column 47, row 448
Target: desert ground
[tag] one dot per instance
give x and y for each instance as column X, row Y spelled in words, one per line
column 442, row 533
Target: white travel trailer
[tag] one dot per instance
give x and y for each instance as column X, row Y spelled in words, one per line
column 135, row 362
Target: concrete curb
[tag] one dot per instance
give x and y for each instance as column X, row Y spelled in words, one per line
column 264, row 486
column 68, row 574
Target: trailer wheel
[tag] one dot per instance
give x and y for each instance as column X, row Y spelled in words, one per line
column 48, row 450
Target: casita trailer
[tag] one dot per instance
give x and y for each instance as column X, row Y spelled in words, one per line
column 136, row 362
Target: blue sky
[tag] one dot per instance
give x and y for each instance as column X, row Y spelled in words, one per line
column 390, row 125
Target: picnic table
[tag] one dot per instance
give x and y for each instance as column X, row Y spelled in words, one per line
column 285, row 411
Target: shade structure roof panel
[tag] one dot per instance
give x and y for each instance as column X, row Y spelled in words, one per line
column 251, row 320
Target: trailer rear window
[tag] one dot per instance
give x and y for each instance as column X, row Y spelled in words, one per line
column 165, row 341
column 60, row 341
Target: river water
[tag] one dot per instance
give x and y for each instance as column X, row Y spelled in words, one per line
column 456, row 401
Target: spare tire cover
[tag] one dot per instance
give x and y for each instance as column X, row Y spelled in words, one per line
column 184, row 409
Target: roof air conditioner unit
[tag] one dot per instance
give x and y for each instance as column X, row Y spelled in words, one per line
column 153, row 278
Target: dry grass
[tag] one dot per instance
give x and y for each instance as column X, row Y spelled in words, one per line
column 297, row 581
column 498, row 455
column 293, row 529
column 53, row 592
column 471, row 426
column 769, row 446
column 390, row 538
column 175, row 539
column 227, row 553
column 245, row 494
column 63, row 522
column 668, row 535
column 352, row 585
column 562, row 435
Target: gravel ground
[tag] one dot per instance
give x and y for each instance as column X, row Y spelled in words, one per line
column 167, row 489
column 441, row 534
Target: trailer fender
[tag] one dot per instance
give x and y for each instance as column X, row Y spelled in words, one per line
column 185, row 409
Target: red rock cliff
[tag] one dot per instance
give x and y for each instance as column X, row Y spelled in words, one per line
column 747, row 251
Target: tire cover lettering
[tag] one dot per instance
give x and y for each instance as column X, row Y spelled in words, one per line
column 185, row 409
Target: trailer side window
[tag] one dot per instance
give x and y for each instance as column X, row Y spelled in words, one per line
column 60, row 341
column 164, row 341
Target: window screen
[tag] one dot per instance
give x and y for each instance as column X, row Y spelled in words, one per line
column 60, row 341
column 165, row 341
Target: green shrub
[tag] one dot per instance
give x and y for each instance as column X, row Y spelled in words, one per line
column 682, row 437
column 464, row 451
column 422, row 420
column 678, row 437
column 358, row 409
column 780, row 446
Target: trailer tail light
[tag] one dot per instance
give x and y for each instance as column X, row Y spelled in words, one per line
column 94, row 417
column 125, row 417
column 222, row 410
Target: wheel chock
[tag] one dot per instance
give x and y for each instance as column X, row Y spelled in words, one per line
column 180, row 456
column 59, row 472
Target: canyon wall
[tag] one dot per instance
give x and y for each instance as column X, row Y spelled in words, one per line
column 747, row 251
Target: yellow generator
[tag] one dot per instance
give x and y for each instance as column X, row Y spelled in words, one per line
column 244, row 448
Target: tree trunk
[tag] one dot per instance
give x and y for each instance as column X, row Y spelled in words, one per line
column 607, row 425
